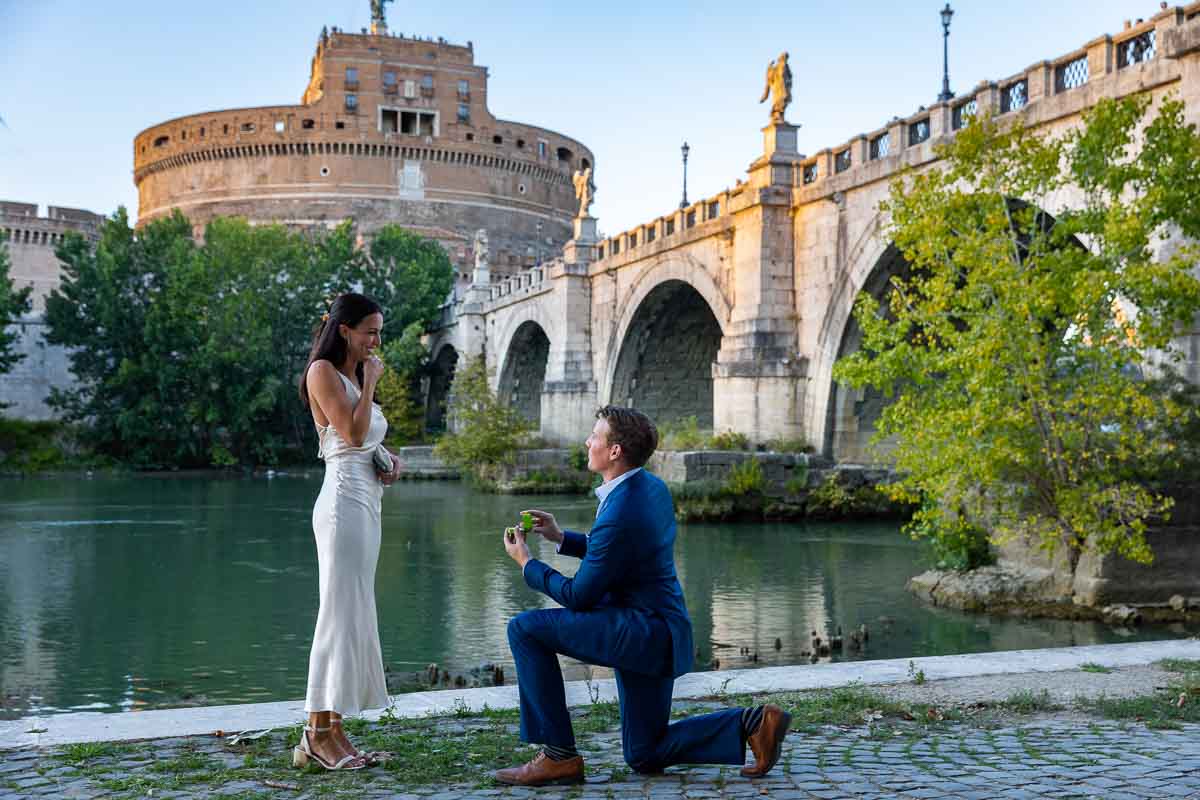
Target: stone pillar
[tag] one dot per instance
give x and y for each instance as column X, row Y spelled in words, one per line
column 569, row 397
column 758, row 378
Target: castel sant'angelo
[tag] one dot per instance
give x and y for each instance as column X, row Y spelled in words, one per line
column 390, row 129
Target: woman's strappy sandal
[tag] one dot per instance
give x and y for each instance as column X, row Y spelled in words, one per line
column 374, row 757
column 302, row 752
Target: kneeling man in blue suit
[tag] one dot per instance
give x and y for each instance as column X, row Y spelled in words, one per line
column 624, row 609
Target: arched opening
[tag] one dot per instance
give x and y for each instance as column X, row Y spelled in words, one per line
column 441, row 373
column 664, row 368
column 525, row 370
column 853, row 413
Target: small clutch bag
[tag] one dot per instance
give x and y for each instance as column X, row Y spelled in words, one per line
column 382, row 458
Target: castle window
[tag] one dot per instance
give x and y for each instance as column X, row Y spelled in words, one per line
column 520, row 144
column 427, row 86
column 201, row 132
column 280, row 126
column 183, row 136
column 410, row 89
column 389, row 120
column 470, row 137
column 351, row 103
column 464, row 90
column 308, row 124
column 351, row 77
column 497, row 139
column 408, row 123
column 324, row 172
column 564, row 155
column 670, row 227
column 340, row 125
column 162, row 141
column 248, row 127
column 226, row 130
column 464, row 113
column 543, row 148
column 389, row 82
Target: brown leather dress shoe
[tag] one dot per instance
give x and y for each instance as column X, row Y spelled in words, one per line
column 767, row 742
column 543, row 771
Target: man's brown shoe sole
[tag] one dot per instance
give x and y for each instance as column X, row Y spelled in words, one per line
column 783, row 729
column 568, row 781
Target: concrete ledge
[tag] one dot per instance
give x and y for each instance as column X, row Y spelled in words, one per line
column 59, row 729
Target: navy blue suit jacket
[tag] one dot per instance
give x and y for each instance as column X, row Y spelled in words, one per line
column 628, row 565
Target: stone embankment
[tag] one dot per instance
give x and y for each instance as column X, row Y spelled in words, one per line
column 1027, row 580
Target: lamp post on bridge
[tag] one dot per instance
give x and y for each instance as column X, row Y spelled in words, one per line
column 946, row 94
column 685, row 149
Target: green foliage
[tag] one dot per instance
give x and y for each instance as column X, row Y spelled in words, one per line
column 747, row 478
column 31, row 446
column 399, row 389
column 917, row 676
column 1091, row 666
column 577, row 458
column 484, row 431
column 1015, row 353
column 14, row 303
column 789, row 446
column 955, row 542
column 729, row 440
column 188, row 354
column 410, row 276
column 797, row 482
column 682, row 434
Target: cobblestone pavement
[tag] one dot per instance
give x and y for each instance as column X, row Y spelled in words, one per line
column 1051, row 755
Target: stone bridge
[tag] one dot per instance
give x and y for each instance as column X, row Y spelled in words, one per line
column 734, row 309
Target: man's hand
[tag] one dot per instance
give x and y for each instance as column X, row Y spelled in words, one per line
column 546, row 526
column 515, row 546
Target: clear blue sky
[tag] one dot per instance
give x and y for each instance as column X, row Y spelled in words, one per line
column 631, row 80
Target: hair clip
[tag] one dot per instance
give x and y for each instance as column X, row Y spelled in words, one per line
column 325, row 317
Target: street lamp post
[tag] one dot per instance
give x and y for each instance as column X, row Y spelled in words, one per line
column 946, row 94
column 685, row 149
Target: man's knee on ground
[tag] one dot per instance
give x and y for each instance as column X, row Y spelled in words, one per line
column 643, row 762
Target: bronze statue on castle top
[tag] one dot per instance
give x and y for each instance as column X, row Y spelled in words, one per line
column 779, row 83
column 377, row 15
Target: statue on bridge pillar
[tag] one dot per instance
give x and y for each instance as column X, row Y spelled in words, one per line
column 779, row 83
column 584, row 189
column 482, row 276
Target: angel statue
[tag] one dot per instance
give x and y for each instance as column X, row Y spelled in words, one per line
column 377, row 7
column 779, row 83
column 584, row 189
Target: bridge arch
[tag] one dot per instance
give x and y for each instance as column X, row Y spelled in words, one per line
column 441, row 375
column 670, row 329
column 524, row 370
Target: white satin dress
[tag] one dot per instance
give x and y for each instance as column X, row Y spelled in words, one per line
column 345, row 666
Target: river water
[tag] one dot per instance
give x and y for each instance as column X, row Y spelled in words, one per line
column 141, row 592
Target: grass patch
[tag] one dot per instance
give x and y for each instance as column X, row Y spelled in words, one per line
column 1029, row 702
column 1168, row 707
column 467, row 757
column 78, row 754
column 1093, row 667
column 598, row 717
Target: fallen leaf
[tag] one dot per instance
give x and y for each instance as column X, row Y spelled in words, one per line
column 295, row 787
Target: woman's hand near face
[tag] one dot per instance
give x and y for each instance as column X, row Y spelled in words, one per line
column 372, row 369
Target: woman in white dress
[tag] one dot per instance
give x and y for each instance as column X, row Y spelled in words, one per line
column 345, row 666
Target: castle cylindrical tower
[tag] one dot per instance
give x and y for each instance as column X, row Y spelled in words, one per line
column 390, row 130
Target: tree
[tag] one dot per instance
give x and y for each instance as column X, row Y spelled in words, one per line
column 409, row 275
column 1031, row 357
column 14, row 303
column 186, row 354
column 484, row 431
column 399, row 389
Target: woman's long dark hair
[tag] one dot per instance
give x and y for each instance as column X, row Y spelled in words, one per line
column 348, row 309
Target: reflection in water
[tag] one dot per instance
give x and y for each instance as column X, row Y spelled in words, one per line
column 129, row 593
